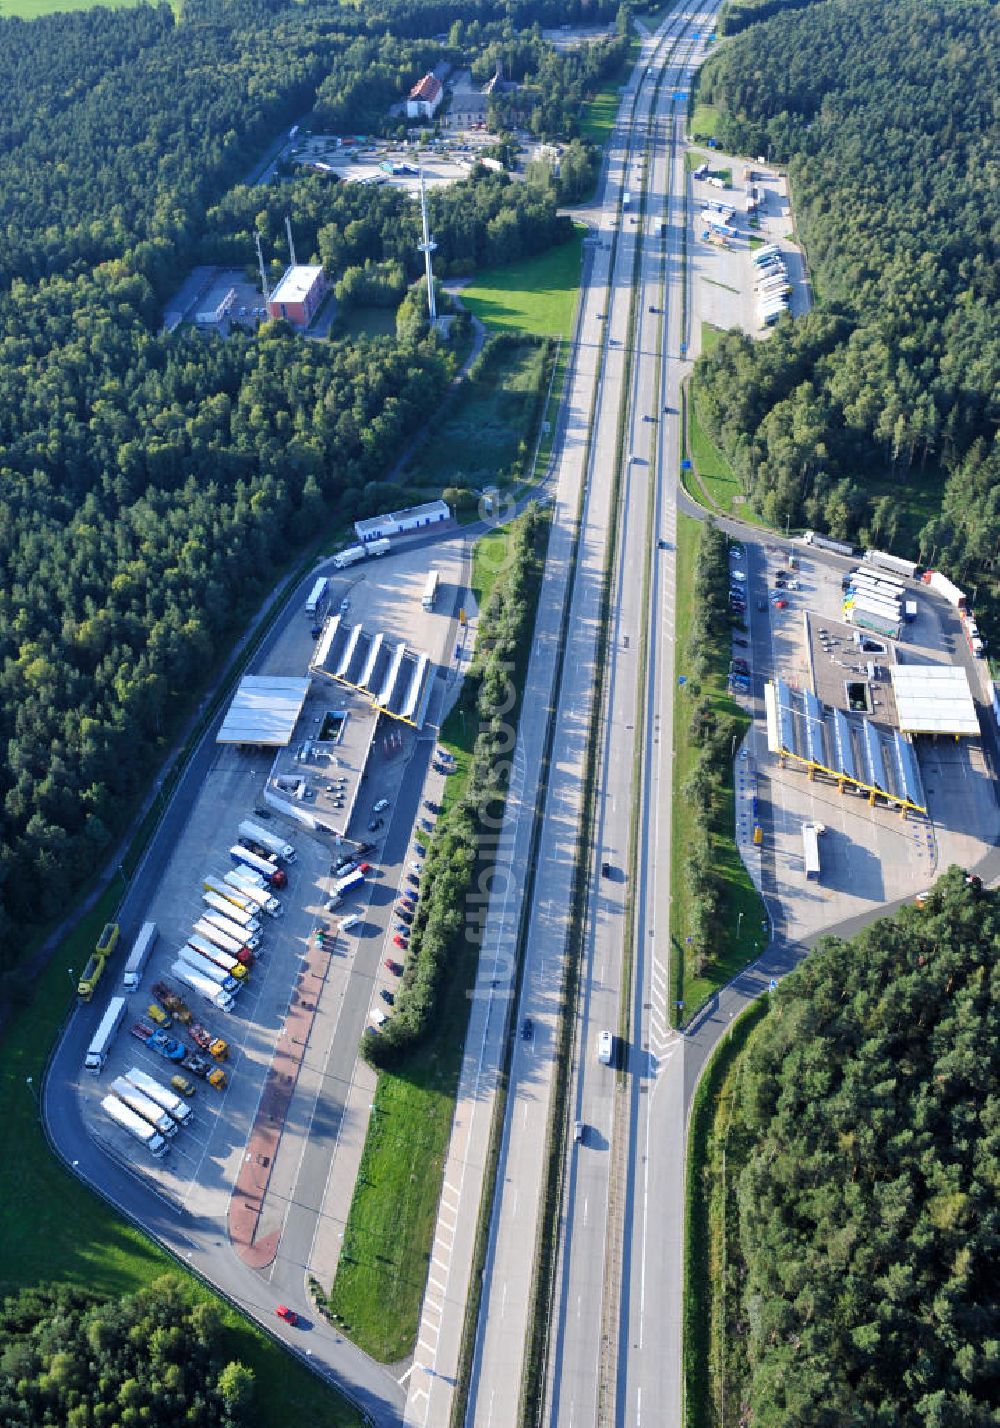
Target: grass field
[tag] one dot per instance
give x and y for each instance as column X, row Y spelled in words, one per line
column 537, row 295
column 35, row 9
column 479, row 439
column 53, row 1228
column 704, row 122
column 744, row 911
column 364, row 321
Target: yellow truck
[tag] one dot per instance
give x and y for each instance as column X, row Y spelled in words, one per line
column 90, row 978
column 108, row 940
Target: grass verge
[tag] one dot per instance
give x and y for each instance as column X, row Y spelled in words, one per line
column 36, row 9
column 743, row 908
column 379, row 1287
column 705, row 1221
column 536, row 295
column 704, row 122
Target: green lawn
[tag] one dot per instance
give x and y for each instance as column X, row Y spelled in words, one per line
column 35, row 9
column 478, row 441
column 53, row 1228
column 537, row 295
column 704, row 122
column 741, row 895
column 364, row 321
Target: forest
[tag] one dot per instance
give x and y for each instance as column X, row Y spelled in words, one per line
column 73, row 1359
column 152, row 486
column 861, row 1175
column 884, row 398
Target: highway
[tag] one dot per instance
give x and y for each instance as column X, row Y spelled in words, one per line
column 607, row 321
column 589, row 1360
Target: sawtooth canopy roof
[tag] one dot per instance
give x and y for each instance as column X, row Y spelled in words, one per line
column 934, row 699
column 264, row 711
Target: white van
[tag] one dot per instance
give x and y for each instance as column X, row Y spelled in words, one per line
column 350, row 922
column 605, row 1048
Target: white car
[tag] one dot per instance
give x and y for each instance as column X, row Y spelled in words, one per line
column 737, row 575
column 605, row 1048
column 350, row 922
column 381, row 806
column 378, row 1018
column 416, row 867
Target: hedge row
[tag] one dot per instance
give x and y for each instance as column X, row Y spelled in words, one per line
column 441, row 931
column 713, row 728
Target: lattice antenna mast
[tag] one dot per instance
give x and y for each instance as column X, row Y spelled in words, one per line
column 291, row 245
column 263, row 274
column 427, row 248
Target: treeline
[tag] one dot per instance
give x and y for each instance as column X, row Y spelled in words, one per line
column 713, row 729
column 150, row 1358
column 445, row 931
column 884, row 117
column 483, row 220
column 860, row 1176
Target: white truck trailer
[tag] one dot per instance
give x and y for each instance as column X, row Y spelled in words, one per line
column 225, row 961
column 205, row 967
column 226, row 890
column 135, row 1125
column 239, row 879
column 144, row 1106
column 350, row 556
column 243, row 919
column 184, row 971
column 247, row 856
column 174, row 1105
column 137, row 958
column 231, row 928
column 268, row 841
column 230, row 942
column 430, row 590
column 97, row 1051
column 378, row 547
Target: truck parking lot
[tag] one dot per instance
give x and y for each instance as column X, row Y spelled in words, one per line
column 288, row 995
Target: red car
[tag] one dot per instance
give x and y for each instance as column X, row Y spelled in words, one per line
column 400, row 941
column 364, row 868
column 393, row 967
column 289, row 1315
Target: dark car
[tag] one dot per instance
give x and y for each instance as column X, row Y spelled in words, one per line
column 740, row 666
column 761, row 605
column 607, row 870
column 375, row 825
column 741, row 642
column 413, row 878
column 405, row 912
column 387, row 996
column 527, row 1029
column 393, row 967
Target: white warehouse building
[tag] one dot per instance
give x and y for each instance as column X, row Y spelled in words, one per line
column 414, row 518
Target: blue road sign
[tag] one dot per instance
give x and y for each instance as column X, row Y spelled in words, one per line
column 682, row 679
column 680, row 95
column 685, row 465
column 772, row 986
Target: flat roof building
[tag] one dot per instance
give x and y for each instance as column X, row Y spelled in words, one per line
column 934, row 699
column 400, row 522
column 298, row 296
column 264, row 711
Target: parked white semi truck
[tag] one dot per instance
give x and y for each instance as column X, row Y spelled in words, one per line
column 97, row 1051
column 174, row 1105
column 135, row 1125
column 185, row 971
column 268, row 841
column 137, row 958
column 239, row 879
column 239, row 915
column 144, row 1106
